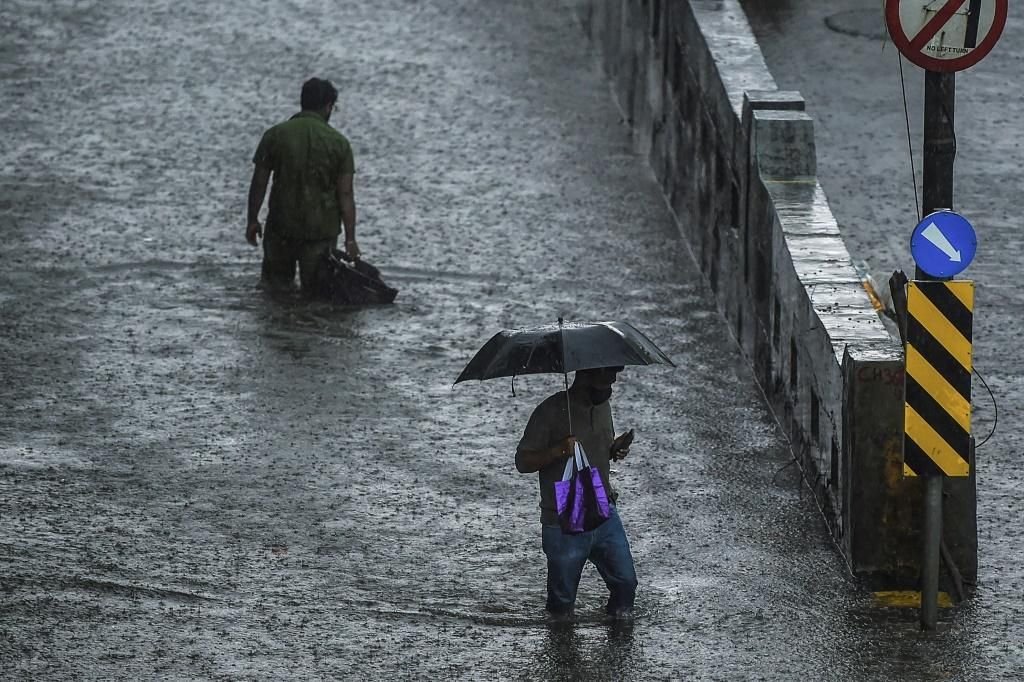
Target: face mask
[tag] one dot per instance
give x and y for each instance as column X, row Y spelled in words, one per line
column 599, row 395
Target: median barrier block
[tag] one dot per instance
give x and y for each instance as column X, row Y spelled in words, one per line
column 783, row 144
column 881, row 507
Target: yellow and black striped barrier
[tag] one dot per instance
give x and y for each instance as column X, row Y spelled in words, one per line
column 940, row 317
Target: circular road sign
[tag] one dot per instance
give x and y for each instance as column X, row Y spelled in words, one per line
column 943, row 244
column 945, row 35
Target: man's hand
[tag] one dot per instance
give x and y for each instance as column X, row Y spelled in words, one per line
column 257, row 190
column 253, row 232
column 352, row 249
column 620, row 446
column 529, row 461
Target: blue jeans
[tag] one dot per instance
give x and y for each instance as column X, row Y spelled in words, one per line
column 607, row 547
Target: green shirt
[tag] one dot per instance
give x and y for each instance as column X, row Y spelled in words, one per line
column 548, row 424
column 307, row 157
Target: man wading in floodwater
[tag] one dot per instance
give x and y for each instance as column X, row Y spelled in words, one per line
column 312, row 194
column 545, row 448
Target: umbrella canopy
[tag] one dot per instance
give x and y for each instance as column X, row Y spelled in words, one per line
column 540, row 350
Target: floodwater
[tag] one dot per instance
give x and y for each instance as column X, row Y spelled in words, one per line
column 201, row 481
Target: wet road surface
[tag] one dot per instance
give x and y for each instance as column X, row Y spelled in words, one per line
column 199, row 481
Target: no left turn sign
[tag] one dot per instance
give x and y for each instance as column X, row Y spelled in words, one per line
column 945, row 35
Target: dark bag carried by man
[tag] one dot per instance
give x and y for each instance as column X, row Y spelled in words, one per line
column 346, row 281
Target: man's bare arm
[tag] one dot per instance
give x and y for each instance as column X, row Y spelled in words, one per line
column 257, row 191
column 529, row 461
column 347, row 199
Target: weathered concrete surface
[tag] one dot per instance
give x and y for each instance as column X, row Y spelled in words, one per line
column 851, row 80
column 200, row 482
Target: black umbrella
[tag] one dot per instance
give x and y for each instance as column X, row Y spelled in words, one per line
column 562, row 348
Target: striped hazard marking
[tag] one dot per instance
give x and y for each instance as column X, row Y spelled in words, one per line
column 940, row 318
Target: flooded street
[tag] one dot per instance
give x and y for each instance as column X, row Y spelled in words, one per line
column 199, row 480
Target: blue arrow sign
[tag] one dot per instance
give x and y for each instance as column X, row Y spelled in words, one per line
column 943, row 244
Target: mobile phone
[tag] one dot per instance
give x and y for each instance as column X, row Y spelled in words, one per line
column 624, row 442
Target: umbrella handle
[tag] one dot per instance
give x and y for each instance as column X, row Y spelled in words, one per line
column 565, row 376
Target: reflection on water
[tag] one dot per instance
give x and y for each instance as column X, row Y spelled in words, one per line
column 296, row 326
column 572, row 651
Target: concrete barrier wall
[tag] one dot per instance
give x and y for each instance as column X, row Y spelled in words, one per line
column 736, row 161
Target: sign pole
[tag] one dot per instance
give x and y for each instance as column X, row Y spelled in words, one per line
column 932, row 547
column 942, row 37
column 939, row 144
column 939, row 155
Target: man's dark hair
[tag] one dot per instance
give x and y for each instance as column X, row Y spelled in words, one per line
column 318, row 93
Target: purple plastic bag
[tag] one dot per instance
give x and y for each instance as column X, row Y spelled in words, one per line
column 580, row 497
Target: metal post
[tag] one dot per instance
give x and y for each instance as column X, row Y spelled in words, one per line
column 939, row 155
column 939, row 145
column 932, row 544
column 565, row 374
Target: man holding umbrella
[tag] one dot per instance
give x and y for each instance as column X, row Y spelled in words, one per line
column 545, row 449
column 569, row 442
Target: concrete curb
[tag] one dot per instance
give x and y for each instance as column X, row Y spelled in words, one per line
column 737, row 164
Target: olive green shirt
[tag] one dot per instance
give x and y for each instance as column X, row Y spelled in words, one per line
column 592, row 426
column 307, row 157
